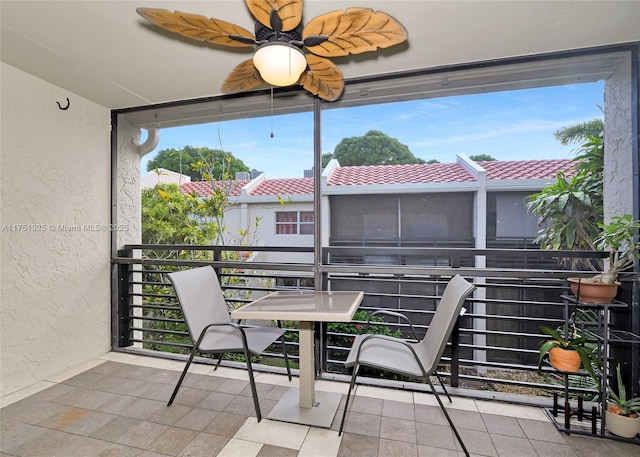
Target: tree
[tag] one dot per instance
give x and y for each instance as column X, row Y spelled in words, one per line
column 570, row 211
column 580, row 132
column 170, row 217
column 326, row 158
column 481, row 158
column 374, row 148
column 189, row 161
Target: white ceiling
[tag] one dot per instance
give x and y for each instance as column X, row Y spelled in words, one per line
column 105, row 52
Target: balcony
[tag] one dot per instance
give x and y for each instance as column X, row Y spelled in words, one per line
column 116, row 406
column 494, row 351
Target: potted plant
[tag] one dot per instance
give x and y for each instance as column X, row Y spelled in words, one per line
column 618, row 238
column 570, row 214
column 569, row 353
column 622, row 415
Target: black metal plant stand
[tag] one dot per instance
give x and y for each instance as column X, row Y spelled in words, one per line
column 576, row 418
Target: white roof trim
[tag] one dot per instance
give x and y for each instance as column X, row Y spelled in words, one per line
column 534, row 185
column 295, row 198
column 471, row 166
column 248, row 187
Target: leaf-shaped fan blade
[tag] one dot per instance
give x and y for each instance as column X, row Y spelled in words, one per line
column 354, row 31
column 245, row 76
column 289, row 11
column 199, row 27
column 322, row 78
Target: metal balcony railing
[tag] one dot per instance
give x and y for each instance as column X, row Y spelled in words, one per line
column 495, row 346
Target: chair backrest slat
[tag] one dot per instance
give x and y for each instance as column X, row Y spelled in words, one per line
column 201, row 298
column 431, row 348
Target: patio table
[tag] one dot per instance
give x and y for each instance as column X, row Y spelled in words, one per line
column 305, row 405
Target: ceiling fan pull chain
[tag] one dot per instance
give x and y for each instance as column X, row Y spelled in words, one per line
column 272, row 135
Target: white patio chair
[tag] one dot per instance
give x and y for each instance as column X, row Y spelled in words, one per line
column 210, row 327
column 418, row 359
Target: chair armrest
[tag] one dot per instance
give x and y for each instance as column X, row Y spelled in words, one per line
column 220, row 324
column 394, row 314
column 390, row 339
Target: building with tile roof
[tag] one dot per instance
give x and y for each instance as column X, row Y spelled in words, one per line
column 517, row 174
column 162, row 176
column 465, row 203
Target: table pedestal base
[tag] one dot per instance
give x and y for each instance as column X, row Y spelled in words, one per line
column 321, row 415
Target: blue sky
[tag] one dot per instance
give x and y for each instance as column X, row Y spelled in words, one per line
column 510, row 125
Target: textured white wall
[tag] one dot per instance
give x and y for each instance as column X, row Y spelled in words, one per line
column 618, row 179
column 54, row 213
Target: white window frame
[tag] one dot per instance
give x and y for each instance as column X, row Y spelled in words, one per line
column 298, row 223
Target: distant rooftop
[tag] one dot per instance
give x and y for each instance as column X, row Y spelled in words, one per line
column 371, row 175
column 399, row 174
column 525, row 169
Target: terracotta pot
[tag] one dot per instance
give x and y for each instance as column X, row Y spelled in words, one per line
column 593, row 292
column 564, row 359
column 626, row 427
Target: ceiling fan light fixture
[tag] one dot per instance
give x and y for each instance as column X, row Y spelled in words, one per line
column 279, row 63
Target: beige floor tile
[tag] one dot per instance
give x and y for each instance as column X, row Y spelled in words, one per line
column 271, row 432
column 466, row 404
column 421, row 398
column 330, row 386
column 320, row 442
column 197, row 368
column 277, row 379
column 506, row 409
column 25, row 393
column 74, row 371
column 162, row 364
column 226, row 372
column 240, row 448
column 385, row 394
column 120, row 357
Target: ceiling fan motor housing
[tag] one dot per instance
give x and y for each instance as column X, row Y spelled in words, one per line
column 266, row 35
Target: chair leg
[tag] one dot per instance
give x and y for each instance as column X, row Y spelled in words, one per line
column 346, row 403
column 220, row 357
column 252, row 382
column 286, row 359
column 184, row 373
column 284, row 352
column 444, row 410
column 443, row 387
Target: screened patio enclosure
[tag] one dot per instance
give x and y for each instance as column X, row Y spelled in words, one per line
column 400, row 246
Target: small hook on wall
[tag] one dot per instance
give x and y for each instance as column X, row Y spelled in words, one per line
column 66, row 107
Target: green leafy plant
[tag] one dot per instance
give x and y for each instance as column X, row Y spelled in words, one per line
column 619, row 237
column 570, row 209
column 573, row 342
column 622, row 405
column 570, row 212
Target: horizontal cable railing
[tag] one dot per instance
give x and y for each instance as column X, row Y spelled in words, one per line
column 496, row 344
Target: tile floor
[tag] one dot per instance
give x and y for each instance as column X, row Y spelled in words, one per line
column 116, row 406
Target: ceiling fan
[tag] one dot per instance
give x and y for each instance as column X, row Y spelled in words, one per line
column 286, row 52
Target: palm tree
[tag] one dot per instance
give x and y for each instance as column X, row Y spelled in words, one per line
column 580, row 132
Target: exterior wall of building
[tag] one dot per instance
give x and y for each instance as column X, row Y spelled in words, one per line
column 55, row 214
column 619, row 194
column 263, row 231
